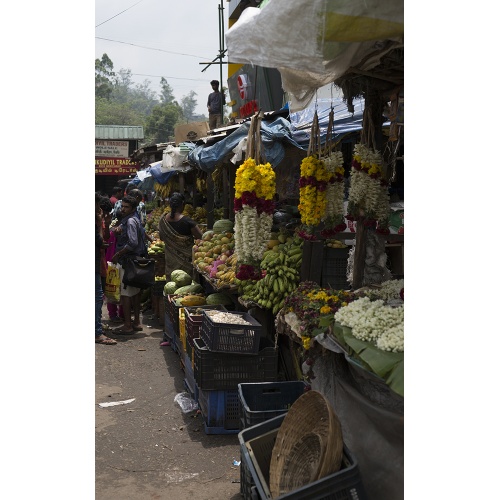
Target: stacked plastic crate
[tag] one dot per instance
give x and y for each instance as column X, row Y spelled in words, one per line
column 225, row 355
column 190, row 328
column 260, row 402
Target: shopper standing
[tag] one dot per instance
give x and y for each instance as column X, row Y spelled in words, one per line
column 100, row 338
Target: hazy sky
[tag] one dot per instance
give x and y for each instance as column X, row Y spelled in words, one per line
column 178, row 36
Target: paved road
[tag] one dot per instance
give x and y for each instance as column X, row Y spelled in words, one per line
column 150, row 449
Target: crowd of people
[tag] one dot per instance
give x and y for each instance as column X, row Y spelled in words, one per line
column 120, row 234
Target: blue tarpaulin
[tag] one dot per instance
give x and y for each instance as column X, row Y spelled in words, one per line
column 295, row 131
column 272, row 134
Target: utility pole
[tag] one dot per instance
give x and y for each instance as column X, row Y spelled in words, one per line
column 222, row 53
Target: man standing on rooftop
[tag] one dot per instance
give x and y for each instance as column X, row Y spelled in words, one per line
column 215, row 102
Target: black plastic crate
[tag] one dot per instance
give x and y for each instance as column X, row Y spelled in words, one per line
column 220, row 410
column 265, row 400
column 246, row 481
column 195, row 319
column 256, row 446
column 225, row 337
column 173, row 312
column 334, row 268
column 224, row 371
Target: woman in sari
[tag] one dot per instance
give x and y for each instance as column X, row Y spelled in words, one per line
column 178, row 232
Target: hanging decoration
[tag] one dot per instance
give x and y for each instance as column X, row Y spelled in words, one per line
column 255, row 188
column 334, row 161
column 314, row 179
column 368, row 195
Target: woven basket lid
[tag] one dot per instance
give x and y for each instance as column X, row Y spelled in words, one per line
column 308, row 445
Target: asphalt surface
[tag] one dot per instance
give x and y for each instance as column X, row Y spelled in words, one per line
column 150, row 448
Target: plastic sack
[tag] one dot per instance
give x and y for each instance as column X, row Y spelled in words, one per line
column 173, row 158
column 112, row 287
column 318, row 44
column 186, row 402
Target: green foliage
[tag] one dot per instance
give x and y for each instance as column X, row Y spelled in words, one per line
column 188, row 105
column 109, row 112
column 104, row 77
column 167, row 92
column 161, row 122
column 119, row 102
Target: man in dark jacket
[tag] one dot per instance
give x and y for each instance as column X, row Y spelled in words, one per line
column 130, row 243
column 215, row 102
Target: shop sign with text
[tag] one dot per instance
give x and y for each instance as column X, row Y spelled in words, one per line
column 115, row 166
column 111, row 149
column 249, row 109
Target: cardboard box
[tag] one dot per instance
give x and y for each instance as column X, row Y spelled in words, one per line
column 191, row 132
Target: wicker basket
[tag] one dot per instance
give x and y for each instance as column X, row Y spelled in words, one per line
column 308, row 446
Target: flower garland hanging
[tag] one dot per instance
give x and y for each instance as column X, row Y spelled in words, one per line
column 368, row 194
column 334, row 213
column 255, row 187
column 313, row 182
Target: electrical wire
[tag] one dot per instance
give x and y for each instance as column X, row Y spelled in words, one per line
column 173, row 77
column 150, row 48
column 119, row 13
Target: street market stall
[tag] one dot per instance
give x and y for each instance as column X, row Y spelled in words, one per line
column 294, row 263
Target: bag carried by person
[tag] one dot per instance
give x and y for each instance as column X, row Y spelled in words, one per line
column 139, row 272
column 112, row 287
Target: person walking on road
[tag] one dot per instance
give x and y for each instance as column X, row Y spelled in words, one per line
column 215, row 102
column 100, row 338
column 130, row 243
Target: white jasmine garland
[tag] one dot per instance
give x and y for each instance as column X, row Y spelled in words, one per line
column 366, row 193
column 372, row 320
column 388, row 290
column 392, row 339
column 251, row 233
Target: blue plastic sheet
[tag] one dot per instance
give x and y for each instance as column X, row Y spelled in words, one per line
column 273, row 136
column 344, row 122
column 295, row 131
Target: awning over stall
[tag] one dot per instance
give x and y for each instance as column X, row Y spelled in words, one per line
column 319, row 41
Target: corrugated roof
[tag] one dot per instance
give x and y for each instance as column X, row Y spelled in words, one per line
column 119, row 132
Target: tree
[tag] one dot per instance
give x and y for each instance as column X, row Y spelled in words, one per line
column 161, row 122
column 110, row 112
column 104, row 77
column 188, row 105
column 167, row 92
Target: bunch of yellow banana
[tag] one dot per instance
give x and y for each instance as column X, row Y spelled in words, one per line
column 201, row 184
column 200, row 215
column 217, row 177
column 189, row 210
column 162, row 190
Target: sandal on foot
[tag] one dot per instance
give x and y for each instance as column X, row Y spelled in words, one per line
column 104, row 340
column 165, row 343
column 121, row 331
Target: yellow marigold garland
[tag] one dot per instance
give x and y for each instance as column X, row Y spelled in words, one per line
column 314, row 177
column 255, row 187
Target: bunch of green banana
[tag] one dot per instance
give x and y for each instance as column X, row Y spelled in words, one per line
column 281, row 279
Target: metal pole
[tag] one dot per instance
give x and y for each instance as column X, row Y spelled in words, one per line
column 221, row 54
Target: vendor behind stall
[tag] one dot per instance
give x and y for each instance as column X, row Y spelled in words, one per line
column 178, row 232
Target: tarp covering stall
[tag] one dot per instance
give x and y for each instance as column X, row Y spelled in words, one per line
column 318, row 42
column 295, row 131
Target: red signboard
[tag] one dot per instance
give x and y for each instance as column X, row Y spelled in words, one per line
column 115, row 166
column 248, row 109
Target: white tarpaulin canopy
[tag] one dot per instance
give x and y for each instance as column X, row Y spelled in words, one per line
column 316, row 42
